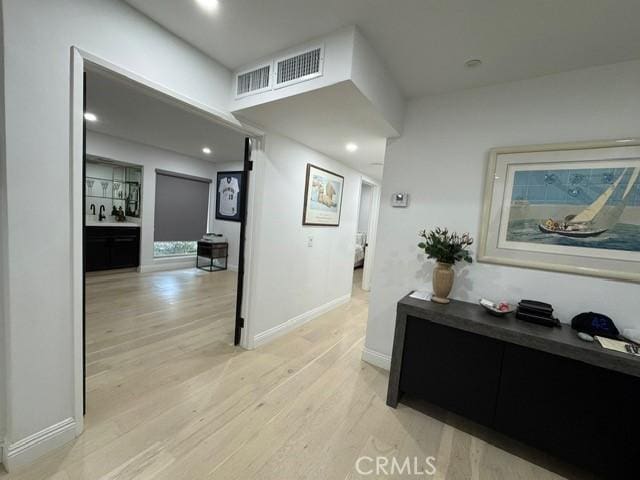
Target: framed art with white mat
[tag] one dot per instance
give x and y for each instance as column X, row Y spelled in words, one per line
column 565, row 207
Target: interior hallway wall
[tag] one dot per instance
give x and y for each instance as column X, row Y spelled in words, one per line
column 441, row 161
column 38, row 36
column 297, row 281
column 3, row 245
column 366, row 197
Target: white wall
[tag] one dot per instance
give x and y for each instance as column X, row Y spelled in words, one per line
column 441, row 161
column 38, row 39
column 150, row 159
column 366, row 197
column 3, row 244
column 376, row 83
column 294, row 282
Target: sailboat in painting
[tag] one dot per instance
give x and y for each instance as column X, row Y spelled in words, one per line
column 593, row 220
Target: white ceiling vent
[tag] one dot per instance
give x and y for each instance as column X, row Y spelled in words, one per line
column 253, row 81
column 299, row 67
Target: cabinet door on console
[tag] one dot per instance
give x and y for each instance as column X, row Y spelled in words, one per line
column 577, row 411
column 454, row 369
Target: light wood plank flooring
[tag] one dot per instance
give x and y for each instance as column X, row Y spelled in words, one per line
column 170, row 398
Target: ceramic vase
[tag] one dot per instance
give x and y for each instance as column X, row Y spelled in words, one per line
column 443, row 275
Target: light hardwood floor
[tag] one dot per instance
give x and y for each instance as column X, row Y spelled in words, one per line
column 170, row 398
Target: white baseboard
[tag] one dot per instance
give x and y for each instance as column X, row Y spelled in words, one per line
column 25, row 451
column 376, row 359
column 281, row 329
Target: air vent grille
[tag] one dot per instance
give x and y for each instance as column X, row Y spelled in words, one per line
column 299, row 67
column 253, row 81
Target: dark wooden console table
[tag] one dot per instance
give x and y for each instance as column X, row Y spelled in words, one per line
column 540, row 385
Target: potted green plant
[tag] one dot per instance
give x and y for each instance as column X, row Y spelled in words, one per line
column 446, row 248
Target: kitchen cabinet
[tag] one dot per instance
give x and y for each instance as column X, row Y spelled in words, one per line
column 109, row 248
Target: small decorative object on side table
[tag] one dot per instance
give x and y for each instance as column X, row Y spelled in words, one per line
column 446, row 248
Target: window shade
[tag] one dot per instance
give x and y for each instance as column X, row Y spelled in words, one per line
column 182, row 206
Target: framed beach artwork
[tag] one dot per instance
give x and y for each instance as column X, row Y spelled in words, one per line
column 322, row 197
column 567, row 207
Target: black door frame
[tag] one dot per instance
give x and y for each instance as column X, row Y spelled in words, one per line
column 84, row 241
column 246, row 169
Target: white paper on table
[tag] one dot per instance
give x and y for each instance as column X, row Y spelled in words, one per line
column 611, row 344
column 421, row 295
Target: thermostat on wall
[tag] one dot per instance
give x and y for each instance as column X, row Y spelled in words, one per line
column 400, row 200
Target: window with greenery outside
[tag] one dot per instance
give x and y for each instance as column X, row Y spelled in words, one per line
column 172, row 249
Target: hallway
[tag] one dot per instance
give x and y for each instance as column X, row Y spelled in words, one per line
column 170, row 398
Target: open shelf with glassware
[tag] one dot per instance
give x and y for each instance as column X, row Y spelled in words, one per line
column 113, row 186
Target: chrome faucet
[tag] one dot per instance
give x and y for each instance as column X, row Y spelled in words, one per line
column 93, row 209
column 101, row 215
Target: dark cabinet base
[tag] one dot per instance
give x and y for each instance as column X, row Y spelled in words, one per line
column 576, row 411
column 456, row 370
column 109, row 248
column 538, row 385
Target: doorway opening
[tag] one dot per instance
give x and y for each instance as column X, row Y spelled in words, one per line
column 365, row 233
column 163, row 212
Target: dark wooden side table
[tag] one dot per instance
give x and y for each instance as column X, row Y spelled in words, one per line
column 212, row 251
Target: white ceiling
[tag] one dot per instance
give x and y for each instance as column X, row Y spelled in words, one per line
column 326, row 120
column 134, row 113
column 423, row 42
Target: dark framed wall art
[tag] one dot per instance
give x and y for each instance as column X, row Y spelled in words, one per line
column 322, row 197
column 229, row 185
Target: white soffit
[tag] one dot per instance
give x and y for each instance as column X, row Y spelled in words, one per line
column 326, row 119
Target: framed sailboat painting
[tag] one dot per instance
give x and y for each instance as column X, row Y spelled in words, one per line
column 566, row 207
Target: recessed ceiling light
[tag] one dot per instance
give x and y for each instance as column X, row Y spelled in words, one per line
column 473, row 63
column 351, row 147
column 208, row 5
column 90, row 117
column 625, row 140
column 206, row 151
